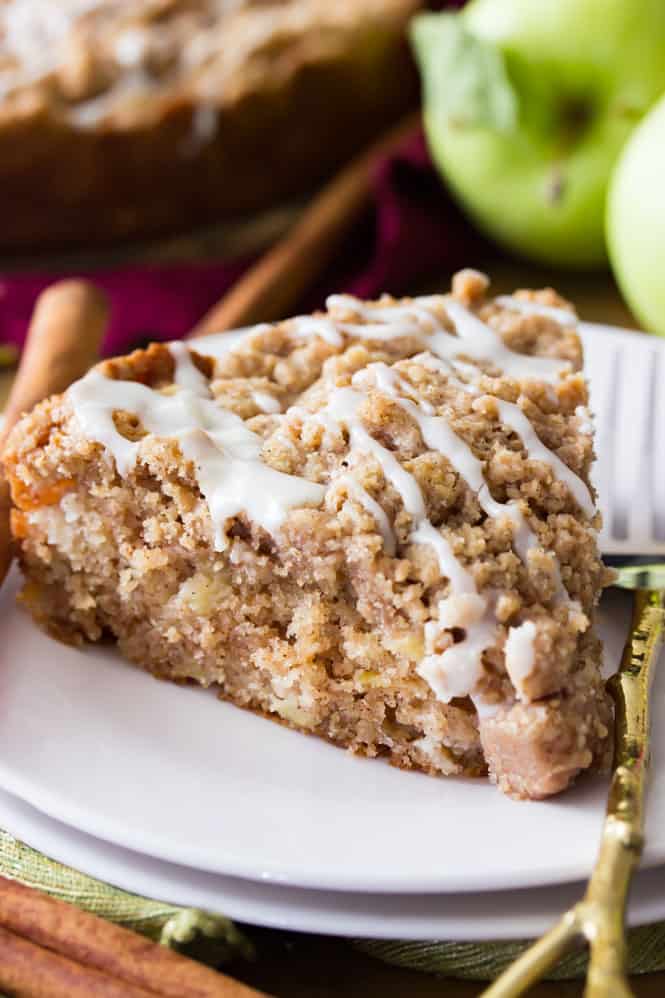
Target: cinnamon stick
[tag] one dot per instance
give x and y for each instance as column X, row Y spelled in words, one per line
column 109, row 949
column 28, row 971
column 63, row 341
column 272, row 288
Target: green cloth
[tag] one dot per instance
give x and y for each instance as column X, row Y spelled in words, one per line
column 483, row 961
column 185, row 929
column 213, row 938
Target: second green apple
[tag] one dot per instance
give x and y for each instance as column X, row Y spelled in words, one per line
column 636, row 220
column 527, row 106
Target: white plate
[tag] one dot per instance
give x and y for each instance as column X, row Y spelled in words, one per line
column 172, row 773
column 493, row 915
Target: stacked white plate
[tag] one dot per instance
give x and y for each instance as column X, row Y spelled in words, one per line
column 167, row 792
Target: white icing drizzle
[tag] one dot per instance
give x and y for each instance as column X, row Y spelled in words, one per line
column 217, row 345
column 226, row 454
column 475, row 339
column 266, row 402
column 342, row 408
column 455, row 671
column 536, row 450
column 368, row 502
column 439, row 436
column 481, row 343
column 314, row 325
column 385, row 322
column 130, row 47
column 520, row 655
column 460, row 580
column 445, row 673
column 432, row 363
column 186, row 374
column 388, row 381
column 561, row 315
column 585, row 424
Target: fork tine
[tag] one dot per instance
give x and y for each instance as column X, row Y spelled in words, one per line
column 657, row 462
column 631, row 424
column 604, row 363
column 641, row 506
column 627, row 474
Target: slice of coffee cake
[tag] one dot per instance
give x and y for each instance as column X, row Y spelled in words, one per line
column 374, row 523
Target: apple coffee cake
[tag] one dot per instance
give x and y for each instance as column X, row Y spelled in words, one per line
column 374, row 523
column 126, row 117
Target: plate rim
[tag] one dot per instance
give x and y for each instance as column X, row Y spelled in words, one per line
column 289, row 904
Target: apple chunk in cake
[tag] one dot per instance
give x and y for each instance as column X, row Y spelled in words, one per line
column 374, row 523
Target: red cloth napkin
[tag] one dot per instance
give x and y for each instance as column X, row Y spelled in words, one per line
column 412, row 230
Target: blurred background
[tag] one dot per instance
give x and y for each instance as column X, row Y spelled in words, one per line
column 163, row 146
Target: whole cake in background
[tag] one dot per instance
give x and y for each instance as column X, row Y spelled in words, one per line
column 130, row 117
column 374, row 524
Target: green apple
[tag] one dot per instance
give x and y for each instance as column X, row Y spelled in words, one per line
column 527, row 106
column 636, row 220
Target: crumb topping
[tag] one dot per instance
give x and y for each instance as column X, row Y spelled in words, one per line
column 236, row 479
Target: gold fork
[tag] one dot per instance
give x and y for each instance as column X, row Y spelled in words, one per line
column 599, row 918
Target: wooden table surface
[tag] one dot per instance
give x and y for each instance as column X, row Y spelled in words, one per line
column 303, row 966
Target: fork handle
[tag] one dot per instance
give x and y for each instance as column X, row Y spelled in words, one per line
column 630, row 688
column 623, row 831
column 600, row 916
